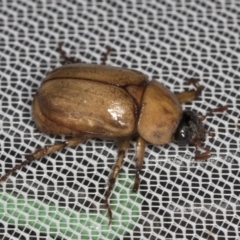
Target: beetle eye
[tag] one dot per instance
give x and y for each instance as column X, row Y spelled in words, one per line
column 182, row 135
column 188, row 129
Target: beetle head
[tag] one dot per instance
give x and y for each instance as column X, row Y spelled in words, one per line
column 190, row 129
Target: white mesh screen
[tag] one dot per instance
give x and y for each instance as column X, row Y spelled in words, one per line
column 62, row 195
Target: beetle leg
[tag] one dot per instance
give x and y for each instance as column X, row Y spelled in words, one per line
column 215, row 110
column 122, row 147
column 205, row 155
column 196, row 84
column 140, row 150
column 105, row 56
column 64, row 55
column 188, row 96
column 201, row 156
column 42, row 152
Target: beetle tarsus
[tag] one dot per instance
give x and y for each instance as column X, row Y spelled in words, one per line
column 29, row 157
column 122, row 147
column 107, row 195
column 17, row 167
column 137, row 182
column 220, row 109
column 140, row 150
column 42, row 152
column 64, row 55
column 201, row 156
column 215, row 110
column 105, row 56
column 196, row 84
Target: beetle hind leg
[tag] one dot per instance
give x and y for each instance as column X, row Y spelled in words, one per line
column 122, row 147
column 42, row 152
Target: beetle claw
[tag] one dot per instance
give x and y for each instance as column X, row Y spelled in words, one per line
column 201, row 156
column 107, row 194
column 109, row 213
column 196, row 84
column 137, row 182
column 17, row 167
column 64, row 55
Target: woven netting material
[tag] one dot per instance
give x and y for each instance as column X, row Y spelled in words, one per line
column 62, row 195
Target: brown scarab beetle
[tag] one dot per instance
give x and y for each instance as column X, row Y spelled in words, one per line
column 99, row 101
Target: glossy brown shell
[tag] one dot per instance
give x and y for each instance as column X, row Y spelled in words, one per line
column 100, row 73
column 106, row 102
column 160, row 114
column 88, row 99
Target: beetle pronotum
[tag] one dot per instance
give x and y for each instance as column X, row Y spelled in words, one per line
column 89, row 101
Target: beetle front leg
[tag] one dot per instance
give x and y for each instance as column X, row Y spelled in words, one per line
column 122, row 147
column 42, row 152
column 201, row 156
column 188, row 96
column 140, row 150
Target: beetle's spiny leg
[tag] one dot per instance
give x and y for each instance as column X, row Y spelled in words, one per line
column 105, row 56
column 14, row 169
column 215, row 110
column 64, row 55
column 140, row 150
column 188, row 96
column 122, row 147
column 212, row 135
column 201, row 156
column 42, row 152
column 196, row 84
column 55, row 147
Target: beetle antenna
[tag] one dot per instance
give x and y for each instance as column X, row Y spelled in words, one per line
column 214, row 110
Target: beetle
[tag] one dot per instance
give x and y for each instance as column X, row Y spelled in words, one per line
column 100, row 101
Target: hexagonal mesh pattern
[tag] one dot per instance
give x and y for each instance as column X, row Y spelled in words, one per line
column 62, row 195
